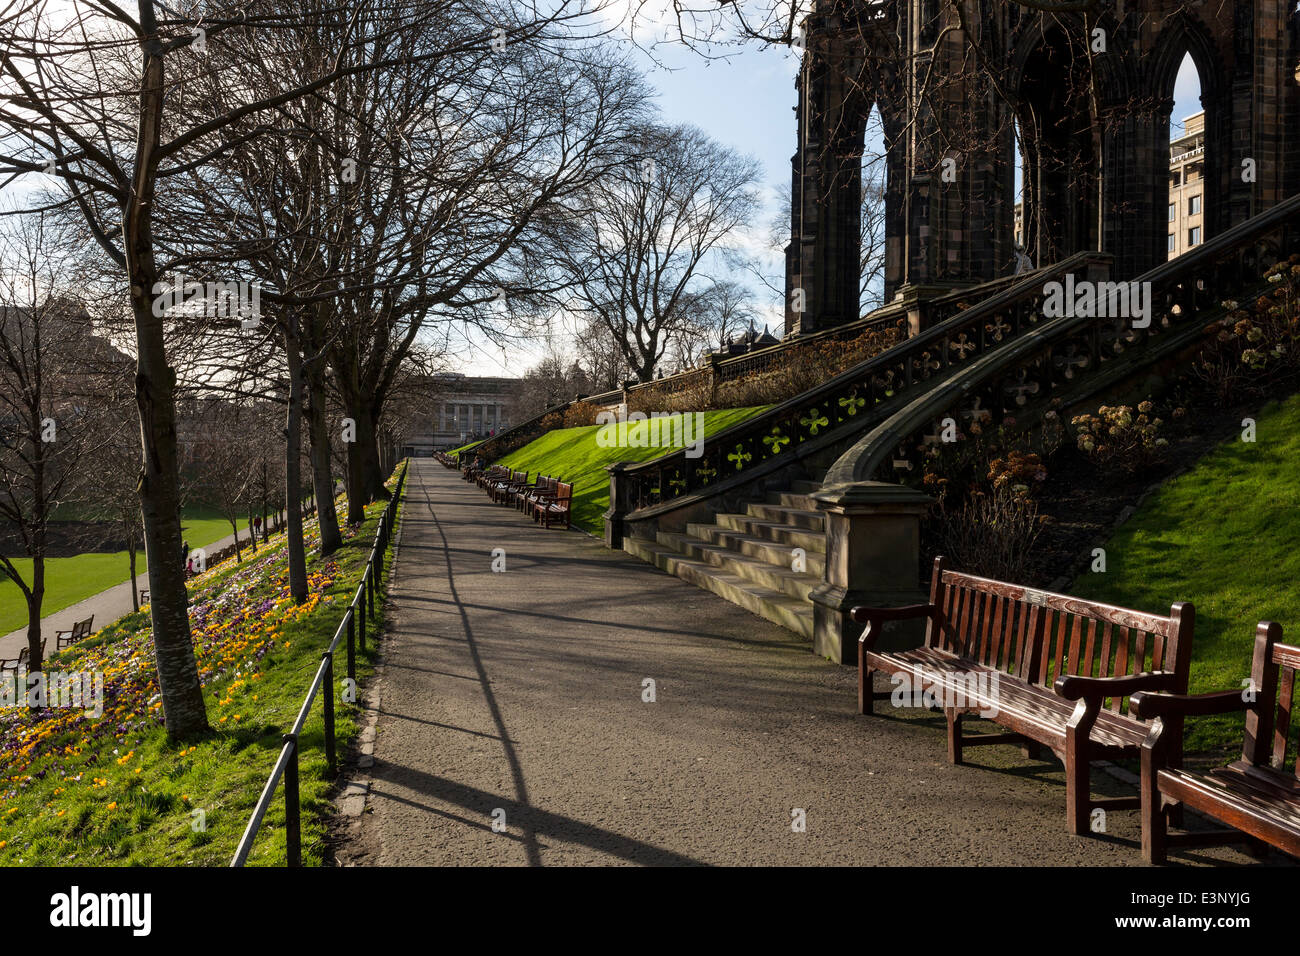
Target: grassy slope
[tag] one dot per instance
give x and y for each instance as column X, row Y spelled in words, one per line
column 69, row 580
column 1222, row 536
column 128, row 796
column 574, row 455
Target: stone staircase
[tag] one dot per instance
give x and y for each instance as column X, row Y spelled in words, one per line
column 749, row 559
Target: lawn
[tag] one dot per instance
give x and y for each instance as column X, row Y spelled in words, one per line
column 1222, row 536
column 69, row 580
column 112, row 791
column 574, row 455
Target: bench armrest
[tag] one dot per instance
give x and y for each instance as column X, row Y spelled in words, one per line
column 1146, row 704
column 874, row 617
column 1074, row 687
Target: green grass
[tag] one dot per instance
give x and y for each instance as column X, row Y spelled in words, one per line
column 1222, row 536
column 70, row 580
column 473, row 444
column 92, row 807
column 573, row 455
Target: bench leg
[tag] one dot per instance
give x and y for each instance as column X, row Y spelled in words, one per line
column 1153, row 817
column 866, row 690
column 954, row 734
column 1078, row 796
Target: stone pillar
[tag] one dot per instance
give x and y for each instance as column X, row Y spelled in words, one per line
column 873, row 557
column 617, row 507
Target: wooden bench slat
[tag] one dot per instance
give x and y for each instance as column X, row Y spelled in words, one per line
column 1090, row 648
column 983, row 623
column 1076, row 644
column 1103, row 665
column 1282, row 724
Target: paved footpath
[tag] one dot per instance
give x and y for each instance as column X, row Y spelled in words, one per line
column 522, row 692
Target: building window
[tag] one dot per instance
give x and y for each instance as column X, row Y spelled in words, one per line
column 1194, row 236
column 1173, row 211
column 1172, row 242
column 1193, row 206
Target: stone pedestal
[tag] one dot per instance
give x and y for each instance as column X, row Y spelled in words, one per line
column 873, row 558
column 617, row 507
column 917, row 299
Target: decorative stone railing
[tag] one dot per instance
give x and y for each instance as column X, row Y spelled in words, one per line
column 1064, row 360
column 873, row 526
column 831, row 414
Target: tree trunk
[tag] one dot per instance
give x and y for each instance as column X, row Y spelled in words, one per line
column 155, row 382
column 293, row 463
column 135, row 591
column 365, row 475
column 234, row 526
column 35, row 599
column 318, row 432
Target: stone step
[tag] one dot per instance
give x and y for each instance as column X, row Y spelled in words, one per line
column 756, row 547
column 776, row 606
column 775, row 531
column 783, row 514
column 774, row 577
column 789, row 500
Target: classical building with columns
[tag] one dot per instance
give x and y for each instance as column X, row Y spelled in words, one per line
column 465, row 408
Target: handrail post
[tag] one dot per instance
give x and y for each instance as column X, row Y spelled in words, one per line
column 352, row 644
column 370, row 586
column 330, row 757
column 361, row 617
column 292, row 819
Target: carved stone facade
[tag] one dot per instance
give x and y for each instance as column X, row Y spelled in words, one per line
column 1091, row 99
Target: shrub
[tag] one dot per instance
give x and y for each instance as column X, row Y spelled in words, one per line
column 992, row 533
column 1120, row 441
column 1256, row 345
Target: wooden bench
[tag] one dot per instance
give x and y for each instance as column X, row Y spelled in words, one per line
column 80, row 631
column 529, row 496
column 1257, row 796
column 22, row 660
column 490, row 474
column 504, row 490
column 1052, row 669
column 553, row 507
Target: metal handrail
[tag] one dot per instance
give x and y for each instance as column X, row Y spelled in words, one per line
column 351, row 627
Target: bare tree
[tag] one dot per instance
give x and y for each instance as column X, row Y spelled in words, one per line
column 121, row 106
column 54, row 387
column 651, row 237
